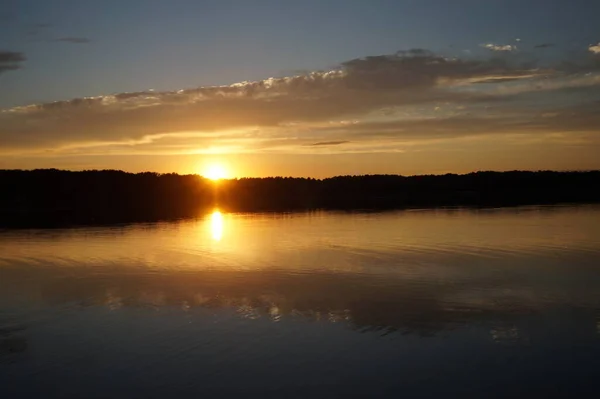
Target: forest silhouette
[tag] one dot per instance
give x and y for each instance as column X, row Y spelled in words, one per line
column 56, row 198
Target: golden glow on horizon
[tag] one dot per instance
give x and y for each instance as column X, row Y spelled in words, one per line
column 216, row 225
column 215, row 172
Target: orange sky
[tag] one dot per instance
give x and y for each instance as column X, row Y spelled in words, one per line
column 412, row 112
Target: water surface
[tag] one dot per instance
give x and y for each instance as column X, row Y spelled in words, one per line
column 484, row 303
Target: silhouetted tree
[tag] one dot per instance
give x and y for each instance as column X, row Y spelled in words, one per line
column 50, row 197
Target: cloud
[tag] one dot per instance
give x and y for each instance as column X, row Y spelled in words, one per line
column 499, row 47
column 388, row 99
column 575, row 121
column 544, row 45
column 10, row 60
column 323, row 143
column 594, row 48
column 73, row 40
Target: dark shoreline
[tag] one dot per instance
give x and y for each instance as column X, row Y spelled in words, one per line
column 55, row 198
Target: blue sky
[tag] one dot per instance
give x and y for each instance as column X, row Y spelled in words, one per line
column 142, row 44
column 69, row 49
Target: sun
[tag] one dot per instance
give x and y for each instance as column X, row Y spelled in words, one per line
column 215, row 172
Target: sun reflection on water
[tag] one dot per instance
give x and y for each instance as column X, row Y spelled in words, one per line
column 216, row 225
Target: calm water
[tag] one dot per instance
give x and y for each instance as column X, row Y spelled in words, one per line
column 482, row 303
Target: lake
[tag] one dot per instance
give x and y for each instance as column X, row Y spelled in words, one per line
column 418, row 303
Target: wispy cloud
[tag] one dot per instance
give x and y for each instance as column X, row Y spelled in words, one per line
column 10, row 60
column 499, row 47
column 322, row 143
column 73, row 40
column 42, row 32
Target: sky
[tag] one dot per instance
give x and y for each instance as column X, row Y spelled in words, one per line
column 300, row 88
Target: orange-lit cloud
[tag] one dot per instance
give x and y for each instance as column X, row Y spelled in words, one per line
column 372, row 104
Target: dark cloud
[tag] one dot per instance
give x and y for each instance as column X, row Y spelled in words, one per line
column 423, row 69
column 544, row 45
column 326, row 143
column 73, row 40
column 10, row 60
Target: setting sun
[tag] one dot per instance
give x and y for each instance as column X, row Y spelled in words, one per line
column 215, row 172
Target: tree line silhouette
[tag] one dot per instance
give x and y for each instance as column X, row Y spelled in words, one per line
column 51, row 197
